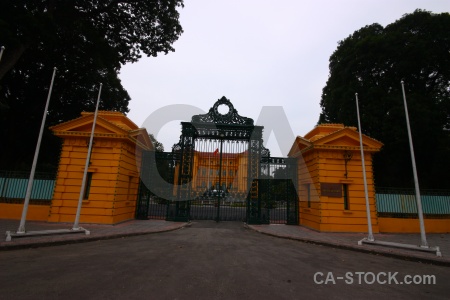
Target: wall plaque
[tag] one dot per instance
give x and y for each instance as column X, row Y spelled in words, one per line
column 331, row 189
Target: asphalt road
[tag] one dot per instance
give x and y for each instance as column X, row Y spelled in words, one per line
column 209, row 212
column 211, row 261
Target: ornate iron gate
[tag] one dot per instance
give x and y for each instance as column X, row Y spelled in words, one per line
column 278, row 190
column 219, row 170
column 156, row 185
column 219, row 185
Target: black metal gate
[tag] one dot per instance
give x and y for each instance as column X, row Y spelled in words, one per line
column 219, row 187
column 278, row 190
column 156, row 185
column 219, row 170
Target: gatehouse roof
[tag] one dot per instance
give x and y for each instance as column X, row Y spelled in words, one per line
column 333, row 136
column 110, row 124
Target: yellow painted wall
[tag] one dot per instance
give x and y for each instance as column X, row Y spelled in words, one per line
column 127, row 183
column 333, row 215
column 308, row 177
column 104, row 165
column 320, row 156
column 401, row 225
column 13, row 211
column 115, row 157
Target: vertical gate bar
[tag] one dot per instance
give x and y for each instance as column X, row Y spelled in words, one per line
column 219, row 191
column 294, row 193
column 142, row 186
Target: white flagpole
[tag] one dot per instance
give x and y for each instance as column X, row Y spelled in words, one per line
column 1, row 52
column 86, row 166
column 369, row 221
column 416, row 180
column 21, row 229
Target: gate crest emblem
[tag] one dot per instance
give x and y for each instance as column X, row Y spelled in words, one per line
column 214, row 116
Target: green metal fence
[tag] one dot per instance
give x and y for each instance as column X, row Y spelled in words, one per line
column 401, row 203
column 13, row 187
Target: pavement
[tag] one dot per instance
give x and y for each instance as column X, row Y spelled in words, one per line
column 97, row 232
column 347, row 241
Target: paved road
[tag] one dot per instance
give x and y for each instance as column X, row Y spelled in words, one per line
column 208, row 261
column 227, row 213
column 203, row 212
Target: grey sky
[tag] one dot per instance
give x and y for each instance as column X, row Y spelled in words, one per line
column 256, row 53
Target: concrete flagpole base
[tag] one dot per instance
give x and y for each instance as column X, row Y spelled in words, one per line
column 403, row 246
column 10, row 235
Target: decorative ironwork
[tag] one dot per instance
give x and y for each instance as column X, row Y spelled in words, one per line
column 213, row 126
column 231, row 136
column 347, row 157
column 215, row 117
column 156, row 185
column 254, row 212
column 291, row 191
column 277, row 194
column 178, row 209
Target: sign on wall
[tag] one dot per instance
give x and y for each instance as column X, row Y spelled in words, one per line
column 331, row 189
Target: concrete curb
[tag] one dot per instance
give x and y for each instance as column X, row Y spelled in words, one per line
column 356, row 248
column 84, row 239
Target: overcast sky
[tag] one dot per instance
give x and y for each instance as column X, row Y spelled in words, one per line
column 256, row 53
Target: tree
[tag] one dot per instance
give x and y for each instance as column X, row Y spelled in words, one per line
column 87, row 41
column 158, row 146
column 372, row 62
column 121, row 28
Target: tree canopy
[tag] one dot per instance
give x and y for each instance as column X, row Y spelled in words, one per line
column 372, row 62
column 88, row 41
column 158, row 146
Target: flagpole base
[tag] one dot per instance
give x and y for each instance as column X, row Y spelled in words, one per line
column 10, row 235
column 435, row 250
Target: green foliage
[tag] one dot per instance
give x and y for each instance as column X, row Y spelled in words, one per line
column 372, row 62
column 158, row 146
column 87, row 41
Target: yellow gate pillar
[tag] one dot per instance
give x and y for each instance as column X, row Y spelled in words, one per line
column 330, row 179
column 113, row 173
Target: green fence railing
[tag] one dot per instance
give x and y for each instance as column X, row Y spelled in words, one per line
column 401, row 203
column 13, row 187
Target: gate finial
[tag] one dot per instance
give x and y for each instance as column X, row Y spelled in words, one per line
column 214, row 116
